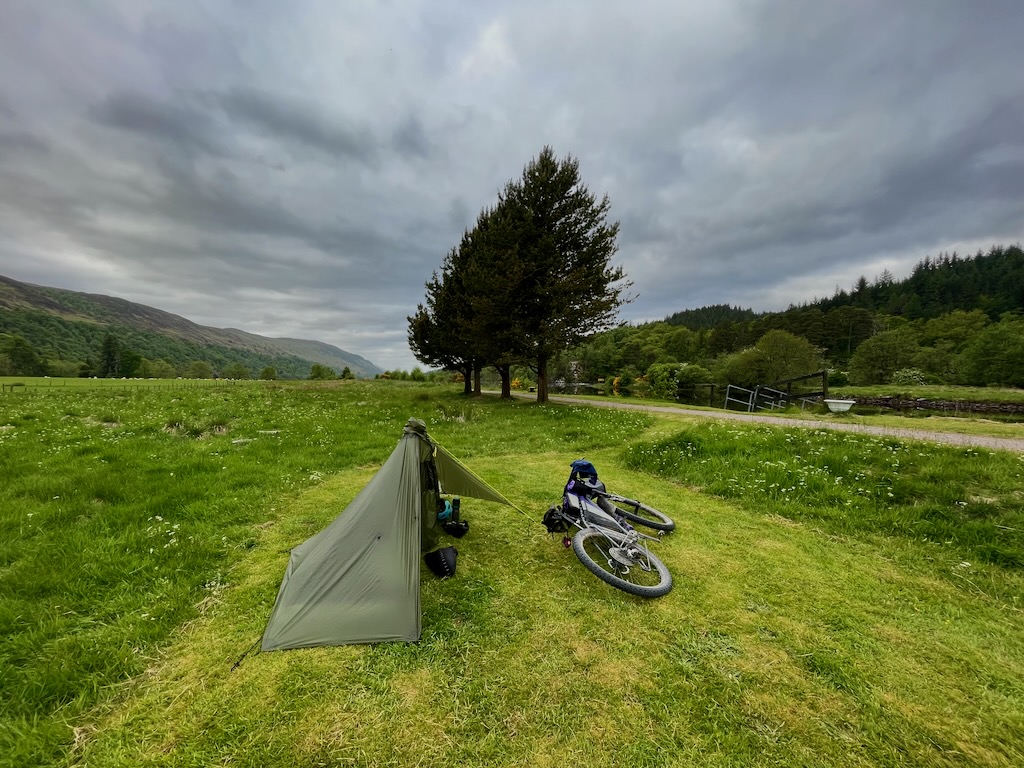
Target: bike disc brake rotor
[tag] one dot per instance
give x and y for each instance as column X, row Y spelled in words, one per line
column 622, row 558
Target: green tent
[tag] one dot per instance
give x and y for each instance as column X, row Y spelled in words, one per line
column 358, row 580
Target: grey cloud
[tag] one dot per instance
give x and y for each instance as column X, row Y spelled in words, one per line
column 290, row 120
column 954, row 172
column 32, row 202
column 460, row 215
column 302, row 169
column 220, row 203
column 22, row 141
column 411, row 138
column 158, row 120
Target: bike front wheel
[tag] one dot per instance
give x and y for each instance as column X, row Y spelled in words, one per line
column 643, row 514
column 632, row 569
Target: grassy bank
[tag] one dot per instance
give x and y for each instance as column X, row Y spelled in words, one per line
column 991, row 425
column 965, row 501
column 813, row 622
column 933, row 392
column 18, row 384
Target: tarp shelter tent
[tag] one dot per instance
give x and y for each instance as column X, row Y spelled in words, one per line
column 358, row 580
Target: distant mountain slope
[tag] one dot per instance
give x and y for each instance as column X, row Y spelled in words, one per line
column 320, row 352
column 69, row 325
column 991, row 281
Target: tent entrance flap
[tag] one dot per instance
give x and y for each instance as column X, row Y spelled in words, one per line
column 458, row 480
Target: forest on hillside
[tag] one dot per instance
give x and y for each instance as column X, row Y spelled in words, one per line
column 954, row 320
column 42, row 344
column 58, row 332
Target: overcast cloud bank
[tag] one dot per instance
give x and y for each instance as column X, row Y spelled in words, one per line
column 299, row 169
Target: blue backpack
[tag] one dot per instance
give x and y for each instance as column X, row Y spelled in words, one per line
column 581, row 469
column 583, row 479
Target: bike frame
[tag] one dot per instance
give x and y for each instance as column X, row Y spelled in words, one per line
column 592, row 516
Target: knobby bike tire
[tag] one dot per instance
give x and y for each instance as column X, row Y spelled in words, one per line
column 643, row 514
column 602, row 571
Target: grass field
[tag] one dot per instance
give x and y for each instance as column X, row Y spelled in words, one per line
column 839, row 600
column 992, row 425
column 934, row 392
column 19, row 384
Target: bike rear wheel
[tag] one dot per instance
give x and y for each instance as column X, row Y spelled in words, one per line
column 643, row 514
column 631, row 569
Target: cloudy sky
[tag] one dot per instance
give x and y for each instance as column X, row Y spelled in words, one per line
column 300, row 168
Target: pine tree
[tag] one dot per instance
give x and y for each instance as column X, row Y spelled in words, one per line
column 494, row 275
column 22, row 359
column 110, row 357
column 439, row 333
column 566, row 285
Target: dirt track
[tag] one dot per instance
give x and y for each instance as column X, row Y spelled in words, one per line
column 979, row 441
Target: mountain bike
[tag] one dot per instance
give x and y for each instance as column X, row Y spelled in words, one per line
column 606, row 542
column 584, row 475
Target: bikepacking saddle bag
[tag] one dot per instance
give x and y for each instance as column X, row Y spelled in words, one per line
column 555, row 521
column 441, row 562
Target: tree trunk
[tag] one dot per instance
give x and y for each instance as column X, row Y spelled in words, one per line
column 505, row 371
column 542, row 378
column 467, row 380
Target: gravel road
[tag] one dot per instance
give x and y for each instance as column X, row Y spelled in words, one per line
column 952, row 438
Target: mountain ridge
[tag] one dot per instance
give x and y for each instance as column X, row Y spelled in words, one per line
column 68, row 322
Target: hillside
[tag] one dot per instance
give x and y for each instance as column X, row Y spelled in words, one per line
column 70, row 326
column 992, row 282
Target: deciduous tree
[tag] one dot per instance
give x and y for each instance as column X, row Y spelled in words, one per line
column 786, row 356
column 322, row 372
column 21, row 358
column 883, row 354
column 996, row 354
column 198, row 369
column 236, row 371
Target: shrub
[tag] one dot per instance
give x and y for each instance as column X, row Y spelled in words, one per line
column 743, row 369
column 676, row 381
column 662, row 380
column 908, row 376
column 837, row 378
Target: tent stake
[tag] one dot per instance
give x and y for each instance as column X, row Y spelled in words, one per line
column 241, row 658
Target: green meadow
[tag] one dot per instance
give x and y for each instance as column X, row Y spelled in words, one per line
column 839, row 599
